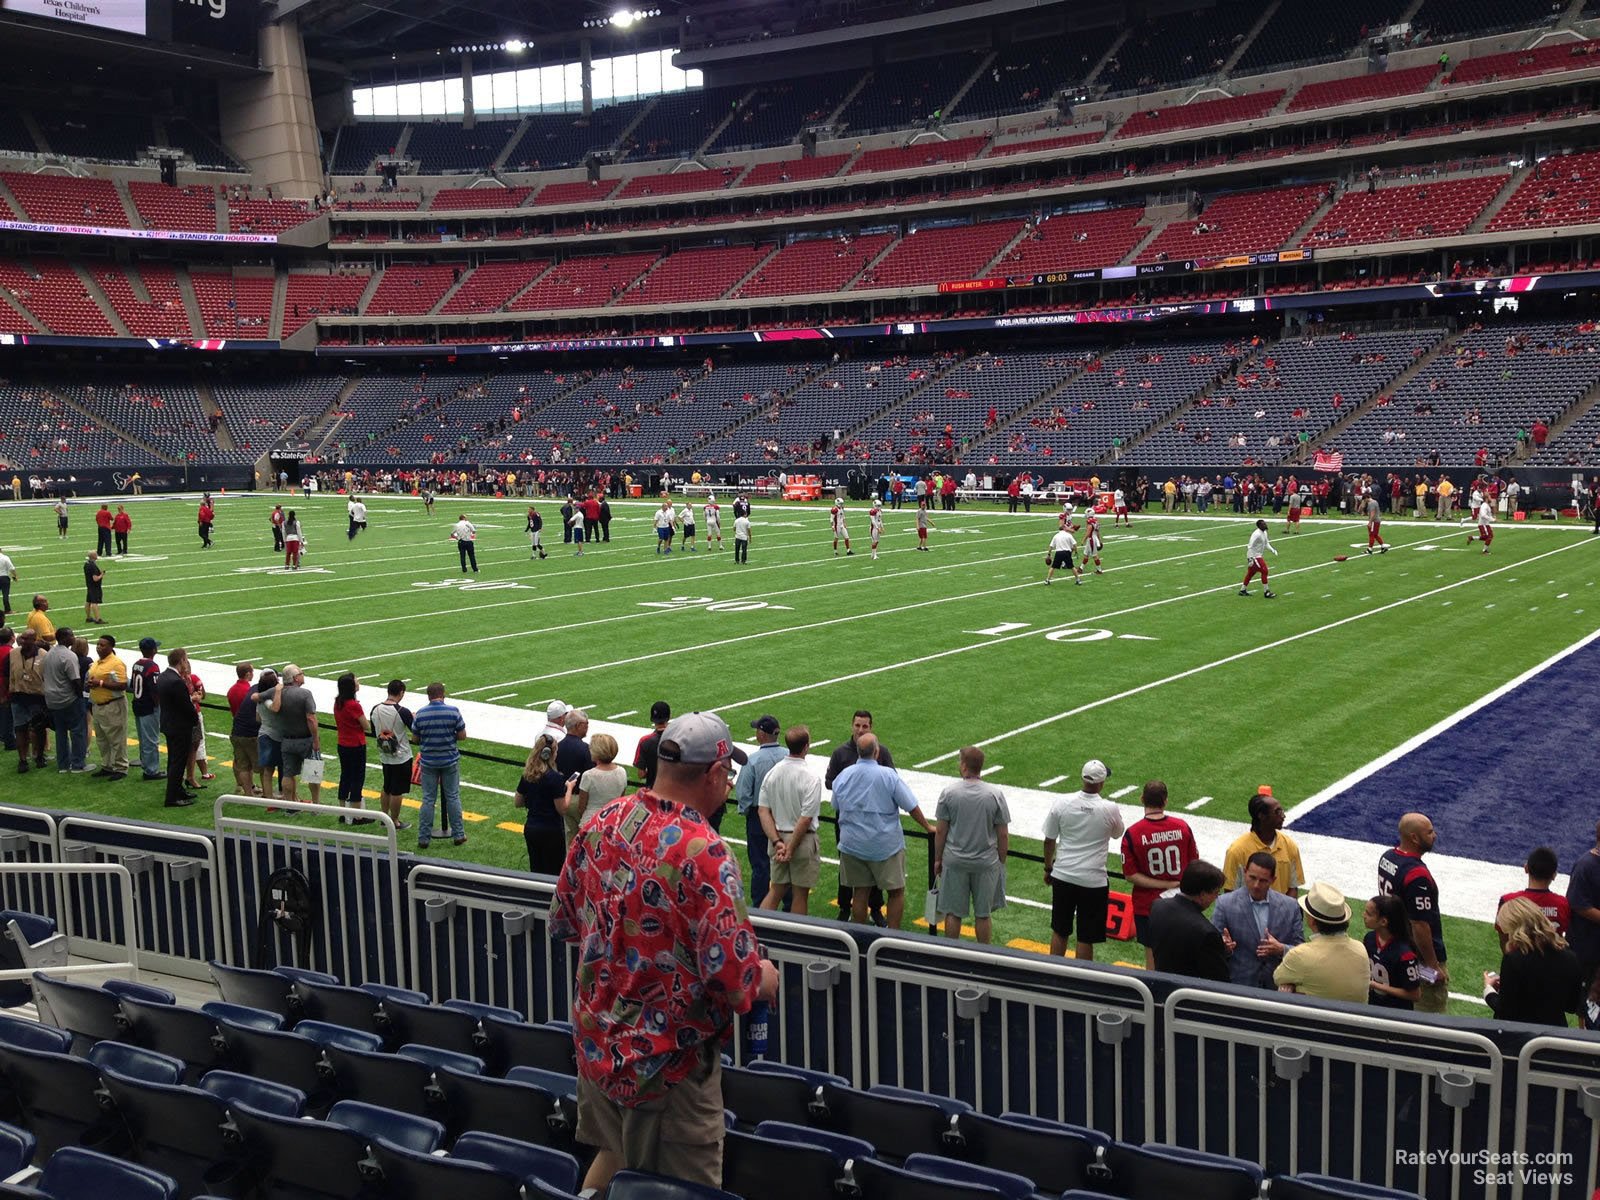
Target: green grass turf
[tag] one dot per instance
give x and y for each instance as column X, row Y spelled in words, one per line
column 1225, row 694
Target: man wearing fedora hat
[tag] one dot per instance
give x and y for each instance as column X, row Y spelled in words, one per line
column 1330, row 964
column 653, row 900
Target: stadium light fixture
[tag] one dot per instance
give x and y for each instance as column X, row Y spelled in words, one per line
column 516, row 46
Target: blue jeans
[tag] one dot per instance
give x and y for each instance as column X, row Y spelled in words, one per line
column 72, row 744
column 150, row 742
column 435, row 780
column 756, row 848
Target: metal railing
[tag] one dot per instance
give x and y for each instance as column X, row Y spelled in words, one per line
column 1302, row 1088
column 355, row 930
column 123, row 963
column 1400, row 1101
column 1010, row 1032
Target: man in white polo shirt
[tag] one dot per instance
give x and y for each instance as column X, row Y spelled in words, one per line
column 1077, row 831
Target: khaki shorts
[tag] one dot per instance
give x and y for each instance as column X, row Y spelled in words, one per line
column 804, row 867
column 244, row 754
column 678, row 1135
column 890, row 874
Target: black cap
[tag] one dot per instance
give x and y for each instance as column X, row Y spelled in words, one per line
column 766, row 724
column 148, row 645
column 660, row 711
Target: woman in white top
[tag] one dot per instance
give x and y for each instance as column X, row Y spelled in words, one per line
column 596, row 787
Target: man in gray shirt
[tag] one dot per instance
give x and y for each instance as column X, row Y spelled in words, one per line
column 63, row 699
column 970, row 843
column 296, row 711
column 745, row 790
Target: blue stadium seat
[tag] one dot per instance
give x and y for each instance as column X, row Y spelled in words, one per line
column 1329, row 1187
column 305, row 975
column 521, row 1159
column 129, row 989
column 288, row 1155
column 1008, row 1183
column 33, row 1035
column 388, row 991
column 177, row 1130
column 814, row 1078
column 1154, row 1171
column 354, row 1008
column 553, row 1082
column 754, row 1165
column 242, row 1014
column 949, row 1104
column 898, row 1126
column 397, row 1082
column 506, row 1107
column 266, row 990
column 1059, row 1156
column 843, row 1148
column 325, row 1034
column 411, row 1176
column 74, row 1173
column 757, row 1096
column 183, row 1033
column 484, row 1012
column 17, row 1147
column 881, row 1181
column 57, row 1098
column 467, row 1064
column 641, row 1185
column 232, row 1088
column 136, row 1062
column 286, row 1058
column 89, row 1014
column 375, row 1122
column 520, row 1044
column 434, row 1025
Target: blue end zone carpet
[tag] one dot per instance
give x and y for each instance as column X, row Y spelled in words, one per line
column 1519, row 773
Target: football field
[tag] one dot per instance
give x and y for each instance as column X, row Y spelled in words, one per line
column 1158, row 666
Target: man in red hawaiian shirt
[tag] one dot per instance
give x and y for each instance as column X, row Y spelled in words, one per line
column 667, row 958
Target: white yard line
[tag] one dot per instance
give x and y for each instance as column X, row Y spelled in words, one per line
column 1250, row 653
column 983, row 594
column 1002, row 640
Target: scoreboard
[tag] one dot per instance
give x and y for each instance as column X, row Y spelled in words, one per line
column 225, row 25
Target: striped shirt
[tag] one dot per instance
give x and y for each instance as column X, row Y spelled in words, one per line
column 436, row 725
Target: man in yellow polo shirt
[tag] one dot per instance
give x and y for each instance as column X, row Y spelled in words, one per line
column 40, row 623
column 1330, row 964
column 1266, row 836
column 108, row 681
column 1422, row 499
column 1447, row 498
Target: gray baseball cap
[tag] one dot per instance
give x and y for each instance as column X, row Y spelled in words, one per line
column 698, row 738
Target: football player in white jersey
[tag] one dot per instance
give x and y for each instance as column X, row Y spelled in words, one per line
column 1091, row 541
column 875, row 526
column 1485, row 518
column 1255, row 560
column 1067, row 513
column 713, row 513
column 666, row 515
column 836, row 517
column 1119, row 508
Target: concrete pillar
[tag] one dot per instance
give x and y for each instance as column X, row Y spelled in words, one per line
column 586, row 69
column 268, row 121
column 469, row 115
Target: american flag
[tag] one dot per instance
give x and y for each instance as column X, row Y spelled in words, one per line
column 1328, row 462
